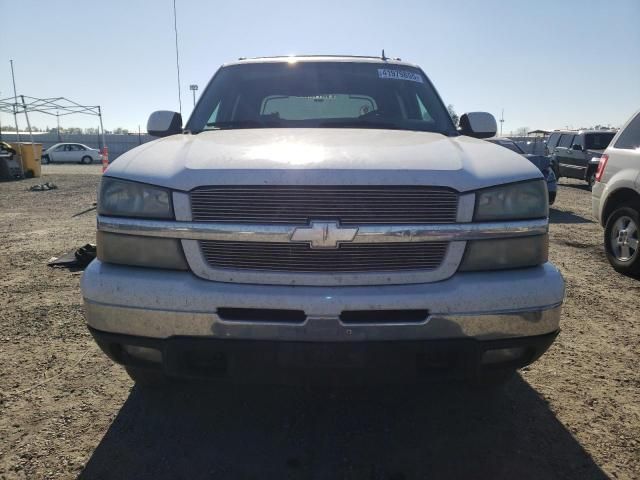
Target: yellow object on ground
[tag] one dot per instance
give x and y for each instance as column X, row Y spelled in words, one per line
column 29, row 154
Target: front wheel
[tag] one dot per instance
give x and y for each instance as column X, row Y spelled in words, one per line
column 44, row 160
column 621, row 240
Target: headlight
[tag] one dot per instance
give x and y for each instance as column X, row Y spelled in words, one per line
column 506, row 253
column 516, row 201
column 121, row 198
column 139, row 251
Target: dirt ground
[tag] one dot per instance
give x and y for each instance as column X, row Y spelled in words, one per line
column 67, row 411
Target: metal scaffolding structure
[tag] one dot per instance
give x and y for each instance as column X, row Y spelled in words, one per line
column 56, row 106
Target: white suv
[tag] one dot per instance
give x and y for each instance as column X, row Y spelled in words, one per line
column 322, row 216
column 616, row 198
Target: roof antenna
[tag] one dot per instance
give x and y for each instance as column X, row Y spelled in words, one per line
column 384, row 57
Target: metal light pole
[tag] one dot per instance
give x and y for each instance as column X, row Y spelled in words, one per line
column 194, row 89
column 15, row 105
column 175, row 29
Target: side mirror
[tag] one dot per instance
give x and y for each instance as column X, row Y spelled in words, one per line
column 576, row 147
column 164, row 123
column 478, row 125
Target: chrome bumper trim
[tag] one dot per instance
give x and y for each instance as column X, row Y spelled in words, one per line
column 283, row 233
column 164, row 324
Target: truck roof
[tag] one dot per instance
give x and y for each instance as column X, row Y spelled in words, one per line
column 323, row 58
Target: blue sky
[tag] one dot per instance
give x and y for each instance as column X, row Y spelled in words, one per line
column 549, row 64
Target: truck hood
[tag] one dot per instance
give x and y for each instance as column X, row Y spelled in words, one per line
column 321, row 157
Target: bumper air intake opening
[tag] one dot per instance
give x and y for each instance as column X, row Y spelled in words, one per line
column 262, row 315
column 383, row 316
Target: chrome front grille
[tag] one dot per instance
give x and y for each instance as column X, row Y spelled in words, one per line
column 301, row 258
column 350, row 205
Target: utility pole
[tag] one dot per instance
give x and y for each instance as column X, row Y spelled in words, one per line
column 175, row 29
column 15, row 105
column 194, row 89
column 501, row 121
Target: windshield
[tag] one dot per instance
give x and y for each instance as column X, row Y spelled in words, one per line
column 598, row 141
column 321, row 94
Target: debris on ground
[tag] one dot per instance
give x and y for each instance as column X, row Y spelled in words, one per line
column 43, row 187
column 77, row 259
column 87, row 210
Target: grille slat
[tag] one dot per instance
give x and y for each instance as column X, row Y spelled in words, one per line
column 301, row 258
column 348, row 204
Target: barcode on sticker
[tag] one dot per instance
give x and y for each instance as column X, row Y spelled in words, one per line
column 400, row 75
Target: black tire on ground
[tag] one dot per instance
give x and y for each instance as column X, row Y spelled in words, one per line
column 591, row 178
column 552, row 197
column 631, row 265
column 148, row 378
column 44, row 160
column 86, row 160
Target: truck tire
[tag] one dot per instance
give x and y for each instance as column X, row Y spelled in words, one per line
column 621, row 234
column 44, row 160
column 591, row 177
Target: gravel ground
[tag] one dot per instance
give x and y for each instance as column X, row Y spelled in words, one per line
column 66, row 411
column 71, row 169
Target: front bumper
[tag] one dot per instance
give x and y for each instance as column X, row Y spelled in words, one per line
column 479, row 305
column 326, row 362
column 176, row 318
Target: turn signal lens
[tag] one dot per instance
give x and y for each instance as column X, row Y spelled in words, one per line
column 603, row 163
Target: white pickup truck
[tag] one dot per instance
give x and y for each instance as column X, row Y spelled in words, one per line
column 322, row 217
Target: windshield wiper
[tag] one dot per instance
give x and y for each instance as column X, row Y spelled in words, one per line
column 359, row 124
column 240, row 124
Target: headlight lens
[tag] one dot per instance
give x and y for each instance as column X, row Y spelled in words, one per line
column 140, row 251
column 517, row 201
column 121, row 198
column 482, row 255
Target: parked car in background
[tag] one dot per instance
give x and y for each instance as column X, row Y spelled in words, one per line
column 541, row 161
column 71, row 152
column 576, row 153
column 616, row 198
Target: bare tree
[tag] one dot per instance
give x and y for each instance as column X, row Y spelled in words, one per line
column 522, row 131
column 452, row 113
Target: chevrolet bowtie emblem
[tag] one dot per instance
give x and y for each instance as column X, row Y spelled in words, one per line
column 324, row 234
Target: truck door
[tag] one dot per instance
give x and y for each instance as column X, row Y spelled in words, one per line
column 577, row 157
column 562, row 155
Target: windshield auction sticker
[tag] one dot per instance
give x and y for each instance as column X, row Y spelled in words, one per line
column 400, row 75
